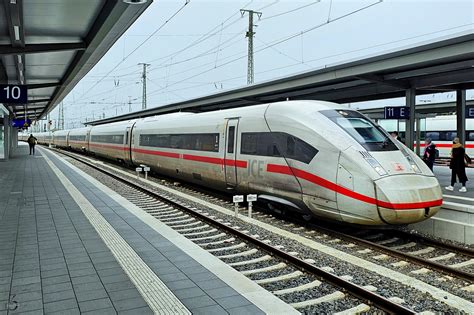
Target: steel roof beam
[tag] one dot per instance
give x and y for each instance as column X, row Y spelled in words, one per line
column 43, row 85
column 41, row 48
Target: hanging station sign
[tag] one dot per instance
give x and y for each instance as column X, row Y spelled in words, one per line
column 13, row 94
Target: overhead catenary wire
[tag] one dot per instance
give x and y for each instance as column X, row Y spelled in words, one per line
column 143, row 42
column 277, row 42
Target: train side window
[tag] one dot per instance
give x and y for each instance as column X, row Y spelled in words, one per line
column 469, row 135
column 433, row 135
column 249, row 143
column 230, row 139
column 450, row 135
column 126, row 137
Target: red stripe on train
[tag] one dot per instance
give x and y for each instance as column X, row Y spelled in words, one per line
column 446, row 145
column 108, row 146
column 281, row 169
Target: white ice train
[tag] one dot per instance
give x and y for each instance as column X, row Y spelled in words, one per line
column 441, row 130
column 313, row 157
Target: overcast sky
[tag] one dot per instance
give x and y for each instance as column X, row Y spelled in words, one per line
column 203, row 48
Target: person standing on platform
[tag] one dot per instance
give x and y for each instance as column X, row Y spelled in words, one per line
column 457, row 166
column 430, row 153
column 32, row 142
column 395, row 135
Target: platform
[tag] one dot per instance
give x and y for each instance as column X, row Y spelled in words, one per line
column 69, row 244
column 455, row 220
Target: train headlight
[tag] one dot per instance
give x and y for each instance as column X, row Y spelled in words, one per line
column 375, row 165
column 410, row 160
column 413, row 165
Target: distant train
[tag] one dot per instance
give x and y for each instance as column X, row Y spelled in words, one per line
column 441, row 130
column 313, row 157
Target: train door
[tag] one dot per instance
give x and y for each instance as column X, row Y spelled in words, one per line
column 128, row 144
column 230, row 152
column 87, row 140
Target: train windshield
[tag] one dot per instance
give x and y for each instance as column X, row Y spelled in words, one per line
column 369, row 135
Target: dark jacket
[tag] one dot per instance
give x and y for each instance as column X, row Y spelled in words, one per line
column 457, row 158
column 430, row 153
column 32, row 140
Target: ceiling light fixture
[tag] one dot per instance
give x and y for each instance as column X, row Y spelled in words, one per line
column 12, row 1
column 19, row 58
column 16, row 30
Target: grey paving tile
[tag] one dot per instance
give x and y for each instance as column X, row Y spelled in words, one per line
column 193, row 270
column 71, row 311
column 110, row 272
column 58, row 296
column 85, row 287
column 232, row 301
column 114, row 278
column 222, row 292
column 26, row 274
column 85, row 279
column 28, row 296
column 106, row 265
column 48, row 267
column 203, row 276
column 118, row 286
column 89, row 295
column 54, row 273
column 28, row 306
column 95, row 305
column 82, row 272
column 5, row 280
column 26, row 288
column 189, row 293
column 124, row 294
column 129, row 304
column 211, row 284
column 57, row 287
column 104, row 311
column 138, row 311
column 173, row 277
column 55, row 280
column 34, row 312
column 198, row 302
column 79, row 266
column 209, row 310
column 181, row 284
column 244, row 310
column 60, row 306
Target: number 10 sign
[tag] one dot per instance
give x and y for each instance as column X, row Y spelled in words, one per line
column 12, row 93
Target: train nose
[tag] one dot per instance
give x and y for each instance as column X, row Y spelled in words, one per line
column 403, row 199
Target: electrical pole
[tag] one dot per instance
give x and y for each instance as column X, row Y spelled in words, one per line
column 129, row 104
column 144, row 84
column 250, row 33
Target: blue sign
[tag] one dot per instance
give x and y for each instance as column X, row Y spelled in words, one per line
column 397, row 112
column 13, row 94
column 470, row 111
column 21, row 123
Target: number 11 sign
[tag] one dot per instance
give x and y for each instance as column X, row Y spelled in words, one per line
column 13, row 93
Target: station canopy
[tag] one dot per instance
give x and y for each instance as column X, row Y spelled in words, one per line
column 51, row 45
column 441, row 65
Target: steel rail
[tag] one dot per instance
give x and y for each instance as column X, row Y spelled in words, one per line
column 365, row 295
column 405, row 256
column 463, row 250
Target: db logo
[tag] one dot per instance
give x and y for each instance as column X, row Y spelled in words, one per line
column 398, row 167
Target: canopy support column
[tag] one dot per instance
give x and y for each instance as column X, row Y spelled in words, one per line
column 461, row 115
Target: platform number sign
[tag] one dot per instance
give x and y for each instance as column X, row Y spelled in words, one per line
column 470, row 111
column 397, row 112
column 13, row 93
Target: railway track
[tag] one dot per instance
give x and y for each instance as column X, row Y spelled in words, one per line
column 296, row 281
column 425, row 302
